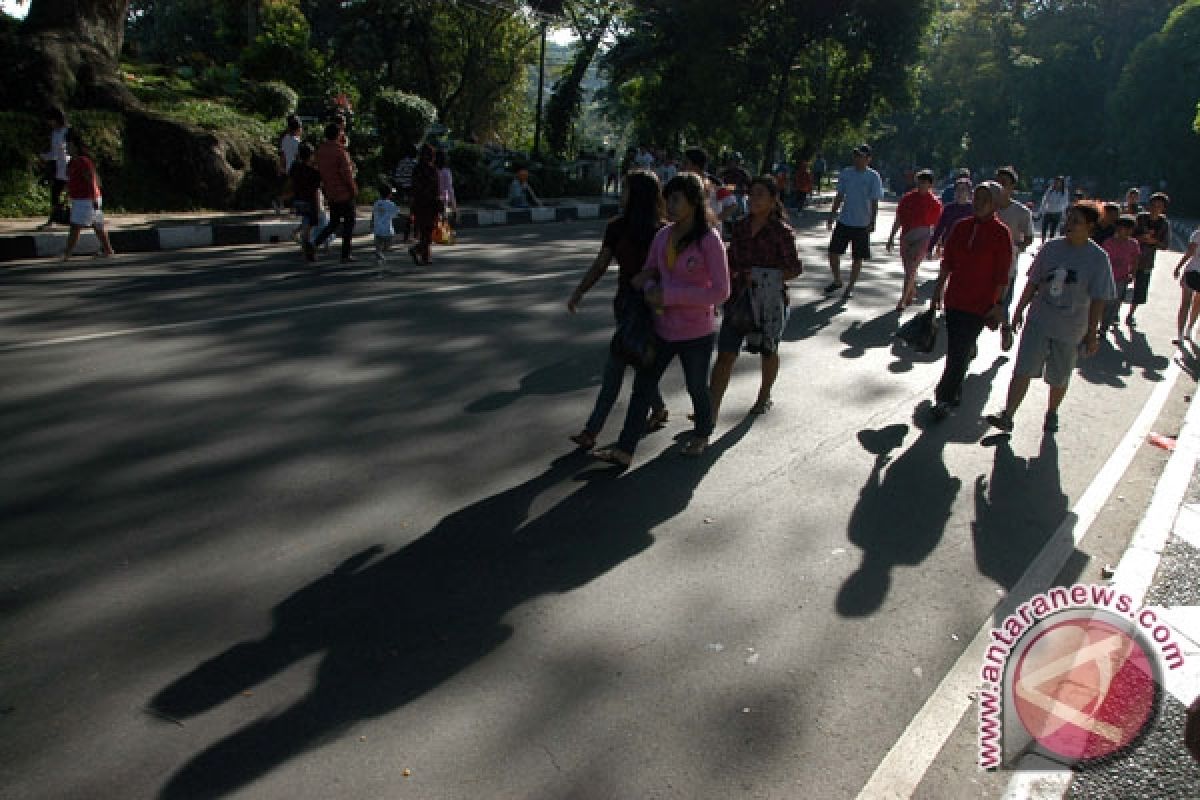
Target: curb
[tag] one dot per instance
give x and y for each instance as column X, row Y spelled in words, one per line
column 185, row 236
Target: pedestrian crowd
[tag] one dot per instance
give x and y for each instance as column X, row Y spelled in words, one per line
column 707, row 297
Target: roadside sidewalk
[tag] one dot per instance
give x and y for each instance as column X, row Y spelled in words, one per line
column 141, row 233
column 1160, row 570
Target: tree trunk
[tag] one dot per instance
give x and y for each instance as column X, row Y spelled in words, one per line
column 68, row 54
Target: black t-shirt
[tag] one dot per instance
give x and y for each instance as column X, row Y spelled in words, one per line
column 630, row 256
column 305, row 182
column 1161, row 230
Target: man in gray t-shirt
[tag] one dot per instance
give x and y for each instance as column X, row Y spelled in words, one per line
column 1069, row 283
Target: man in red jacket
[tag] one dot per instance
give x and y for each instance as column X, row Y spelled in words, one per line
column 975, row 264
column 337, row 182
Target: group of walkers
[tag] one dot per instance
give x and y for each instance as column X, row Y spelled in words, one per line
column 698, row 289
column 328, row 173
column 672, row 260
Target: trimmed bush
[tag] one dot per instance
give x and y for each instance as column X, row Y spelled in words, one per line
column 402, row 119
column 273, row 99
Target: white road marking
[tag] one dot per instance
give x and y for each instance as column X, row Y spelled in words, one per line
column 905, row 765
column 274, row 312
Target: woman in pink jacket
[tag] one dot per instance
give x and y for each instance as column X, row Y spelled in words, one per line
column 685, row 279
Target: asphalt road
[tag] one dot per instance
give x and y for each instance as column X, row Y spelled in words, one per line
column 277, row 533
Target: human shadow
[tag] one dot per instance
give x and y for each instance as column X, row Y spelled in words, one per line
column 905, row 504
column 860, row 336
column 561, row 377
column 1017, row 511
column 809, row 319
column 904, row 355
column 1120, row 356
column 391, row 630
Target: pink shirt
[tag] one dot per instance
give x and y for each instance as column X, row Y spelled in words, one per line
column 692, row 287
column 1123, row 255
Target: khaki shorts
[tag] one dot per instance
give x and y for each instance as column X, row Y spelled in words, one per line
column 1039, row 356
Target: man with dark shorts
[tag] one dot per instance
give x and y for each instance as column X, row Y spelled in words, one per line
column 1153, row 233
column 859, row 191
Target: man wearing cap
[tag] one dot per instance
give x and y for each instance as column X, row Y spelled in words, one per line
column 975, row 264
column 859, row 191
column 1019, row 220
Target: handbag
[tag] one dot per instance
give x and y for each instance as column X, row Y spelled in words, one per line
column 634, row 341
column 921, row 332
column 443, row 233
column 740, row 312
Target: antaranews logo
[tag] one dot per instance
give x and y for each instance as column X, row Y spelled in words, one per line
column 1075, row 675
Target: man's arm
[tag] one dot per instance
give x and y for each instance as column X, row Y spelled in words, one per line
column 833, row 209
column 1095, row 314
column 874, row 213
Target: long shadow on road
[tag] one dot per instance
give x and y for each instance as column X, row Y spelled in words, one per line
column 905, row 504
column 397, row 628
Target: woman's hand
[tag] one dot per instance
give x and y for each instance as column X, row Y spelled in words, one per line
column 639, row 281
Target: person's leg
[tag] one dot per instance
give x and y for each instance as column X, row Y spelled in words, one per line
column 1141, row 292
column 57, row 188
column 835, row 267
column 696, row 357
column 1195, row 312
column 72, row 240
column 102, row 236
column 721, row 372
column 770, row 371
column 1057, row 393
column 425, row 240
column 855, row 268
column 1017, row 388
column 962, row 331
column 645, row 387
column 1185, row 307
column 330, row 225
column 347, row 214
column 610, row 386
column 859, row 250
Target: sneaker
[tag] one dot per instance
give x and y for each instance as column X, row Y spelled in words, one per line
column 1051, row 423
column 940, row 411
column 1006, row 338
column 1002, row 421
column 833, row 287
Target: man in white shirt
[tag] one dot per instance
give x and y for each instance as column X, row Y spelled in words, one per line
column 859, row 191
column 288, row 146
column 1019, row 220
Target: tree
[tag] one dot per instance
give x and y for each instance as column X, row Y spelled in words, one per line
column 67, row 53
column 590, row 21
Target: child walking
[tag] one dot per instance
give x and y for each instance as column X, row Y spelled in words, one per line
column 383, row 214
column 83, row 188
column 1123, row 252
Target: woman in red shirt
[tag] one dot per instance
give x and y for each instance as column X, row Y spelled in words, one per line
column 83, row 188
column 916, row 216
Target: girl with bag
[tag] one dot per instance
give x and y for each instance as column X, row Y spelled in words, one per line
column 685, row 278
column 627, row 238
column 762, row 256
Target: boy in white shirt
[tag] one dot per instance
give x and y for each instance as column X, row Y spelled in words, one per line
column 382, row 214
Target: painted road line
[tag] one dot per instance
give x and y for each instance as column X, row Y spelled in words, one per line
column 277, row 312
column 904, row 766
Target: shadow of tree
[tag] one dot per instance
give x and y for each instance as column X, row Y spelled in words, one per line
column 396, row 628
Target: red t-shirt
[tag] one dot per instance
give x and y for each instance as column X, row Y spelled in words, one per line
column 977, row 256
column 918, row 209
column 81, row 179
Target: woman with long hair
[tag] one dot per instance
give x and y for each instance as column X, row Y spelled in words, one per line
column 762, row 257
column 686, row 276
column 626, row 238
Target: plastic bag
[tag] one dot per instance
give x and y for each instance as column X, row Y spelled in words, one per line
column 443, row 233
column 921, row 331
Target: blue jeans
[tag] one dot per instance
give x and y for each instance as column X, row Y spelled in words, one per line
column 695, row 356
column 610, row 387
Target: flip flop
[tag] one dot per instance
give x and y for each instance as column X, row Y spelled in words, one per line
column 614, row 456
